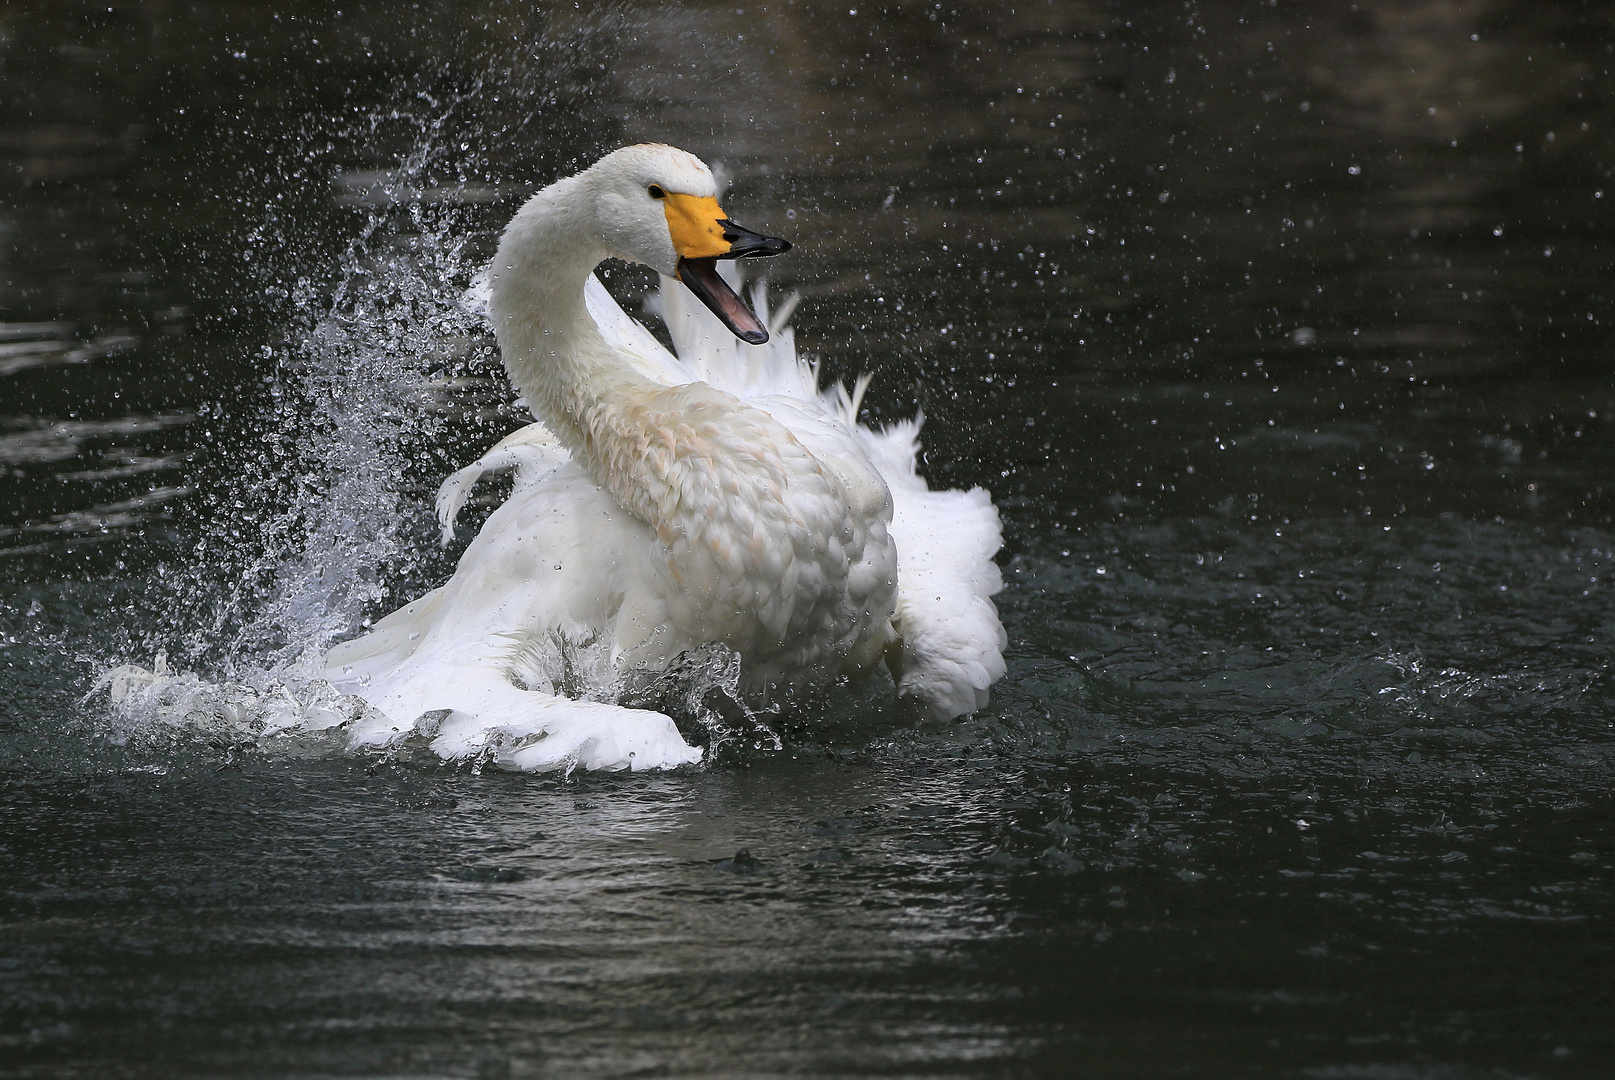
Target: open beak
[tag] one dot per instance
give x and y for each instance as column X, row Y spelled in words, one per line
column 703, row 236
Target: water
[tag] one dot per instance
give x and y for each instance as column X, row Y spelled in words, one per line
column 1280, row 333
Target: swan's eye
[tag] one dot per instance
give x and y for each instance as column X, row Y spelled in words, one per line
column 656, row 192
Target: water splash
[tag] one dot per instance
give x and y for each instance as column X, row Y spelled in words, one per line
column 159, row 706
column 701, row 691
column 386, row 360
column 361, row 390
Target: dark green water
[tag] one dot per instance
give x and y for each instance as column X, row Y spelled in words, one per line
column 1281, row 333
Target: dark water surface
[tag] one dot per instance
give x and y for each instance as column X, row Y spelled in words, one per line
column 1280, row 332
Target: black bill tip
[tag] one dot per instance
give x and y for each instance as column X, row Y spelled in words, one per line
column 745, row 244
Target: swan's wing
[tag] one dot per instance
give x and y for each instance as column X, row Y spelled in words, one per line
column 953, row 642
column 353, row 665
column 533, row 451
column 708, row 350
column 631, row 340
column 556, row 574
column 558, row 555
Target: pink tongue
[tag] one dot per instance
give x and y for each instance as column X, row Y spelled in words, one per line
column 702, row 278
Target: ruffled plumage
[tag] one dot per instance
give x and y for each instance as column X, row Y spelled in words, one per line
column 666, row 501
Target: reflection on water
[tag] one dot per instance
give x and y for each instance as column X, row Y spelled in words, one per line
column 1279, row 331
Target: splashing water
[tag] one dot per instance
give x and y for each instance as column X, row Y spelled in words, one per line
column 311, row 518
column 324, row 527
column 701, row 691
column 320, row 522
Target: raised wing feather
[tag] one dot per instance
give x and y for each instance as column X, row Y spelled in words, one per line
column 472, row 665
column 631, row 340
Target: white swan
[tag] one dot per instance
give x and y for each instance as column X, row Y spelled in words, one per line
column 664, row 502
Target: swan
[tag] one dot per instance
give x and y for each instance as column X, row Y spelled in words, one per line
column 666, row 502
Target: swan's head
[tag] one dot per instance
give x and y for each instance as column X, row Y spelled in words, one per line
column 658, row 205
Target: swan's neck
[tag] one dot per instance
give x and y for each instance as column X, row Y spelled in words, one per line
column 617, row 424
column 553, row 350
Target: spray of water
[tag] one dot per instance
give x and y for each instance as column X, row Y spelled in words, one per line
column 318, row 520
column 323, row 525
column 314, row 526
